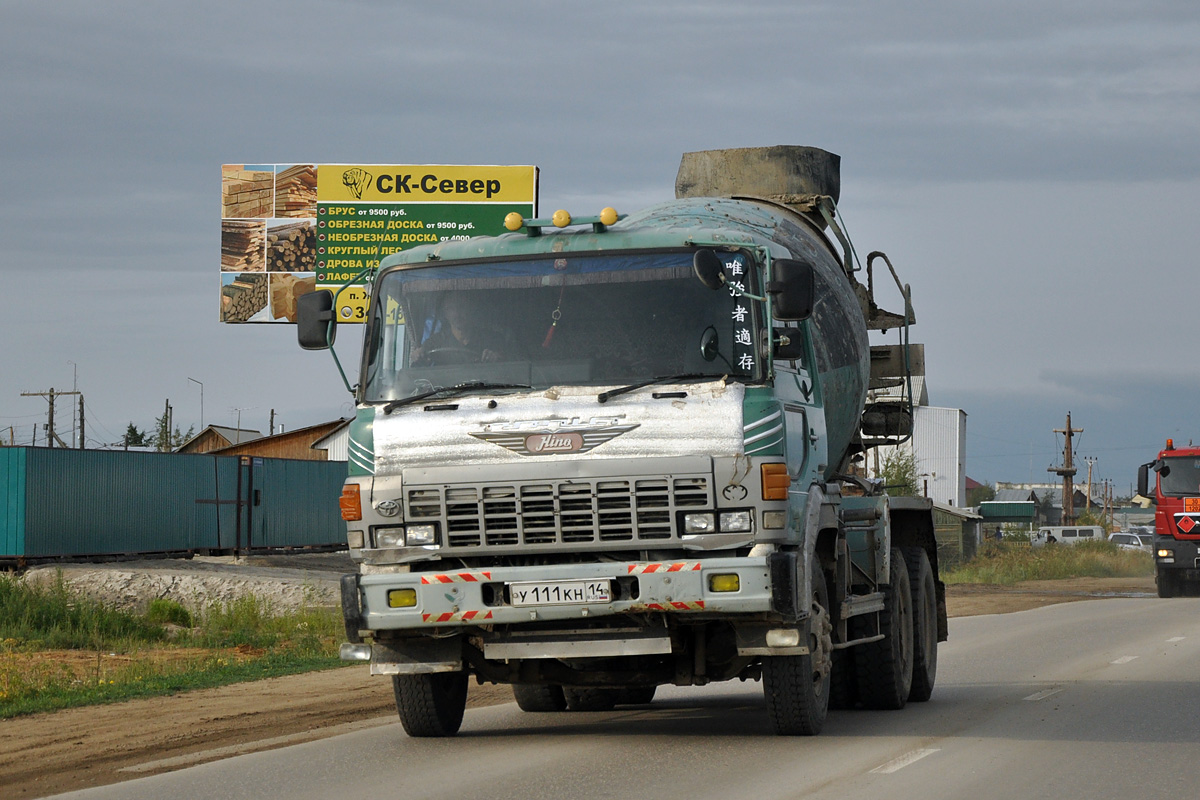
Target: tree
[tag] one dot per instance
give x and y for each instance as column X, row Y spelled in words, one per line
column 980, row 494
column 899, row 473
column 164, row 439
column 134, row 437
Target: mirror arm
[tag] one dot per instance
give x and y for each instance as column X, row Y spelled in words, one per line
column 331, row 316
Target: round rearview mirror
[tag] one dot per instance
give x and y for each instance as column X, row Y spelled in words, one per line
column 708, row 343
column 709, row 268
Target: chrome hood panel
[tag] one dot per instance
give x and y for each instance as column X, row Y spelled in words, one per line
column 561, row 424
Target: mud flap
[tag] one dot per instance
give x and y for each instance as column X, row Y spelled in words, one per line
column 417, row 656
column 351, row 608
column 785, row 589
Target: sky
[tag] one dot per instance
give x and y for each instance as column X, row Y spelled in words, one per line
column 1030, row 168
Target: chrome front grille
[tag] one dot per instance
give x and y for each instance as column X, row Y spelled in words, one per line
column 595, row 513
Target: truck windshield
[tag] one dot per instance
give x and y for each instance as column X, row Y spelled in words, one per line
column 558, row 320
column 1183, row 479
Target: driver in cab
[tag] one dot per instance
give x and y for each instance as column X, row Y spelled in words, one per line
column 459, row 337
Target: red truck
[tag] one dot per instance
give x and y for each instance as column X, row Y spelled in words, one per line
column 1176, row 493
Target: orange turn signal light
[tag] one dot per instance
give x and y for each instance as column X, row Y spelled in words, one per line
column 350, row 502
column 775, row 481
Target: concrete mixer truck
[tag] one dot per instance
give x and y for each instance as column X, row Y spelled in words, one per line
column 596, row 456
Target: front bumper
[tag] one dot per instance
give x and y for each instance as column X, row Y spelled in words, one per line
column 1184, row 558
column 464, row 598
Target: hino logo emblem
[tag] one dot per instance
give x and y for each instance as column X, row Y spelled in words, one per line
column 543, row 437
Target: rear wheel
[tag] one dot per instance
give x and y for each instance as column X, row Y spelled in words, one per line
column 431, row 704
column 1168, row 585
column 797, row 687
column 539, row 697
column 925, row 623
column 636, row 695
column 885, row 667
column 590, row 699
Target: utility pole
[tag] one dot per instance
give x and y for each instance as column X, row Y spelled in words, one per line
column 81, row 447
column 1091, row 462
column 1067, row 471
column 51, row 436
column 271, row 429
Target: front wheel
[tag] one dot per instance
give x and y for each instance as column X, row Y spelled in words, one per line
column 797, row 687
column 431, row 704
column 1168, row 584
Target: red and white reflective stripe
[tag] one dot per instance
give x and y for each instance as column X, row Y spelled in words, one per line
column 456, row 577
column 646, row 569
column 461, row 616
column 677, row 605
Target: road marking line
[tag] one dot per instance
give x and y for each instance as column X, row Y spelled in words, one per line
column 1176, row 639
column 1043, row 694
column 903, row 761
column 1123, row 660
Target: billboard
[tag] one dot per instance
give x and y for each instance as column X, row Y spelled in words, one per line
column 287, row 229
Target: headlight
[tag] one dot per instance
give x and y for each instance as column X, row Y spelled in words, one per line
column 735, row 521
column 420, row 535
column 699, row 523
column 389, row 537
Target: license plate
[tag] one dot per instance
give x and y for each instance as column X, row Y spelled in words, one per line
column 560, row 593
column 1191, row 505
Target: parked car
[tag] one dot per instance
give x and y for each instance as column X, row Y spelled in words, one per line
column 1062, row 534
column 1132, row 541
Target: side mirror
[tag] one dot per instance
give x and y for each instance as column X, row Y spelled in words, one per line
column 1143, row 480
column 792, row 290
column 316, row 324
column 709, row 268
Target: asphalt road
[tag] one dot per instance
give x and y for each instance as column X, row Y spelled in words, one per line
column 1095, row 699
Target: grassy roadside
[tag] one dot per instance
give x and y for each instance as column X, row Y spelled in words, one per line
column 1007, row 563
column 59, row 649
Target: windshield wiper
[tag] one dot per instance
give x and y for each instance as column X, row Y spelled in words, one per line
column 448, row 390
column 603, row 397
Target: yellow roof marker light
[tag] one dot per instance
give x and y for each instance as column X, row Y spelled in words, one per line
column 513, row 221
column 562, row 219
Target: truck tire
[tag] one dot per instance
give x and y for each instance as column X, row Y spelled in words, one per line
column 843, row 683
column 797, row 687
column 432, row 704
column 925, row 623
column 539, row 697
column 1168, row 586
column 885, row 667
column 590, row 699
column 636, row 695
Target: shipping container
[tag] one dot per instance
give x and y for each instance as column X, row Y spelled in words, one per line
column 61, row 503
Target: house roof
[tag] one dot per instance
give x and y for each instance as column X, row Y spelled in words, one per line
column 1014, row 495
column 231, row 435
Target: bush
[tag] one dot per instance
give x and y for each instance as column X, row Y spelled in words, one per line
column 1005, row 563
column 168, row 612
column 55, row 617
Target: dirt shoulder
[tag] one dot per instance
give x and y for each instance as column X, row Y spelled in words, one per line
column 45, row 754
